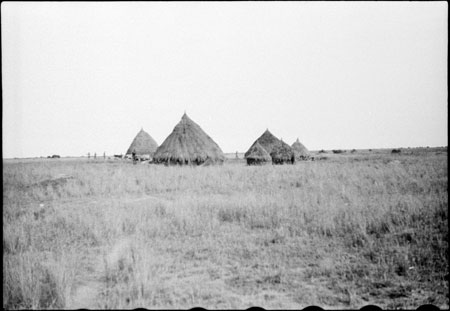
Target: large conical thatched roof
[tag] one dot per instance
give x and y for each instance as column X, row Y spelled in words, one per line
column 257, row 152
column 143, row 144
column 267, row 140
column 188, row 144
column 281, row 153
column 299, row 150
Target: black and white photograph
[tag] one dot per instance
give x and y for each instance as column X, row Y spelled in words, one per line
column 225, row 155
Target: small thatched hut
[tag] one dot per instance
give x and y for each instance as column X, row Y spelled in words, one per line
column 300, row 151
column 282, row 153
column 188, row 144
column 144, row 146
column 267, row 140
column 257, row 155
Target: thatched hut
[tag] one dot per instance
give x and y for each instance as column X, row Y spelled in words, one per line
column 144, row 146
column 282, row 153
column 257, row 155
column 188, row 144
column 267, row 140
column 300, row 151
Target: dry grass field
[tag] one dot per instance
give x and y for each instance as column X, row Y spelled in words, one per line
column 341, row 232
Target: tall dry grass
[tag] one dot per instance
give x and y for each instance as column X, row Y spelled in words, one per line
column 344, row 232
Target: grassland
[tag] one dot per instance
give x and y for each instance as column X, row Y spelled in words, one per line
column 344, row 232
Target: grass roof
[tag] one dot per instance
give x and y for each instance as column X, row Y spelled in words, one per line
column 257, row 152
column 282, row 151
column 188, row 144
column 143, row 143
column 267, row 140
column 299, row 149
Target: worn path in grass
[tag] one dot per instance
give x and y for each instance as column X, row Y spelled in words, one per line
column 90, row 281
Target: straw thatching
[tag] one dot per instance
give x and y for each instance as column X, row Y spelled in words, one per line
column 282, row 153
column 257, row 155
column 188, row 144
column 143, row 144
column 300, row 151
column 267, row 140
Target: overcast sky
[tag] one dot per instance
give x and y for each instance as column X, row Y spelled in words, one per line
column 85, row 77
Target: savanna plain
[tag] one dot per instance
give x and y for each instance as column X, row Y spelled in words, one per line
column 344, row 231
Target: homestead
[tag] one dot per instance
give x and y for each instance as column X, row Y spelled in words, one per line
column 211, row 213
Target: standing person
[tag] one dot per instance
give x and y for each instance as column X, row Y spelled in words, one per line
column 89, row 155
column 95, row 155
column 133, row 154
column 104, row 155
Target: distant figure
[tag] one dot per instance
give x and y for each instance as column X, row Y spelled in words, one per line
column 104, row 155
column 133, row 154
column 89, row 155
column 237, row 155
column 95, row 155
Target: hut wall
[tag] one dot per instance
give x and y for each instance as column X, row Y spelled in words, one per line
column 251, row 161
